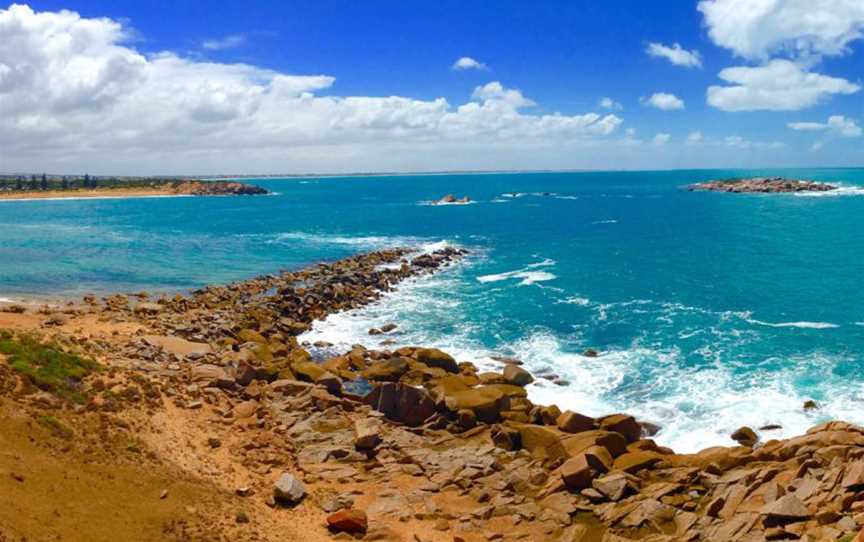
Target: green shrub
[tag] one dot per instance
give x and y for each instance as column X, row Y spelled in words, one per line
column 46, row 365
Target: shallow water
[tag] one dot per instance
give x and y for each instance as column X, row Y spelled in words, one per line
column 711, row 311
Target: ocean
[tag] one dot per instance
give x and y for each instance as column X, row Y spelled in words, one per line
column 709, row 311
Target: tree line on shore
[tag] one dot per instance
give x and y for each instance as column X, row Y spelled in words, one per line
column 44, row 182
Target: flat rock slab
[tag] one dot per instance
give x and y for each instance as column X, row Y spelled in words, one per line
column 177, row 346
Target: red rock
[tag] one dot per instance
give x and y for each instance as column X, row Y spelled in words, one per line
column 348, row 521
column 623, row 424
column 573, row 422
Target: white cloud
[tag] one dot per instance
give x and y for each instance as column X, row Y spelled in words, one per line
column 817, row 146
column 468, row 63
column 73, row 95
column 609, row 103
column 739, row 142
column 836, row 123
column 780, row 85
column 694, row 137
column 661, row 139
column 675, row 54
column 228, row 42
column 664, row 101
column 758, row 29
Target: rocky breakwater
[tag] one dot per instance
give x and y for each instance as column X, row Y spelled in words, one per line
column 217, row 188
column 762, row 185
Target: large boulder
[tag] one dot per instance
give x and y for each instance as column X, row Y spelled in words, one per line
column 513, row 374
column 615, row 443
column 573, row 422
column 623, row 424
column 544, row 443
column 579, row 472
column 436, row 358
column 486, row 402
column 401, row 403
column 389, row 370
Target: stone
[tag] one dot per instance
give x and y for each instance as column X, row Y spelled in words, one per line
column 367, row 433
column 543, row 443
column 288, row 490
column 436, row 358
column 810, row 405
column 578, row 472
column 632, row 462
column 211, row 376
column 148, row 308
column 401, row 403
column 178, row 346
column 745, row 436
column 786, row 509
column 572, row 422
column 246, row 409
column 513, row 374
column 614, row 442
column 389, row 370
column 506, row 438
column 622, row 424
column 348, row 521
column 486, row 402
column 615, row 486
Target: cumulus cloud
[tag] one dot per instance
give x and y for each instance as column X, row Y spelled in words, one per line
column 694, row 137
column 468, row 63
column 739, row 142
column 609, row 103
column 780, row 85
column 228, row 42
column 836, row 123
column 661, row 139
column 759, row 29
column 675, row 54
column 664, row 101
column 73, row 92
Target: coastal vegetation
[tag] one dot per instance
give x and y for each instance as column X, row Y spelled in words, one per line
column 40, row 186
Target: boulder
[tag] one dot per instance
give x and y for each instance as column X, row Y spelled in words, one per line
column 388, row 370
column 250, row 336
column 211, row 376
column 348, row 521
column 486, row 402
column 401, row 403
column 543, row 443
column 148, row 308
column 578, row 472
column 573, row 422
column 786, row 509
column 632, row 462
column 513, row 374
column 367, row 433
column 623, row 424
column 288, row 490
column 578, row 443
column 745, row 436
column 506, row 438
column 436, row 358
column 178, row 346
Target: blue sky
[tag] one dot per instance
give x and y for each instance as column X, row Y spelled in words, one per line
column 798, row 101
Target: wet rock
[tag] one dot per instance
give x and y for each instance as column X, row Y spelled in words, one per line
column 810, row 405
column 590, row 353
column 517, row 376
column 436, row 358
column 348, row 521
column 745, row 436
column 622, row 424
column 288, row 490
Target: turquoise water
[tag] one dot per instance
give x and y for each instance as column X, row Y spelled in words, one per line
column 711, row 311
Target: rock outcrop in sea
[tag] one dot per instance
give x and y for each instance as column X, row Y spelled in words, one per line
column 764, row 185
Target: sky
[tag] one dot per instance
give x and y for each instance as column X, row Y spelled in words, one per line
column 187, row 87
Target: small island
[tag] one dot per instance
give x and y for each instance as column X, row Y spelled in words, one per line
column 762, row 185
column 24, row 187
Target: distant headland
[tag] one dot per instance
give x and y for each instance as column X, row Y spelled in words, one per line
column 762, row 185
column 45, row 187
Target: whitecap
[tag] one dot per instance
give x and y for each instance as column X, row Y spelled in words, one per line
column 800, row 325
column 841, row 190
column 605, row 222
column 528, row 275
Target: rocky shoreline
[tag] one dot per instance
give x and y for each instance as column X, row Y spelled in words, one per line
column 762, row 185
column 436, row 449
column 139, row 189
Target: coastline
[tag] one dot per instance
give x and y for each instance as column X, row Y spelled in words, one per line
column 102, row 193
column 555, row 475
